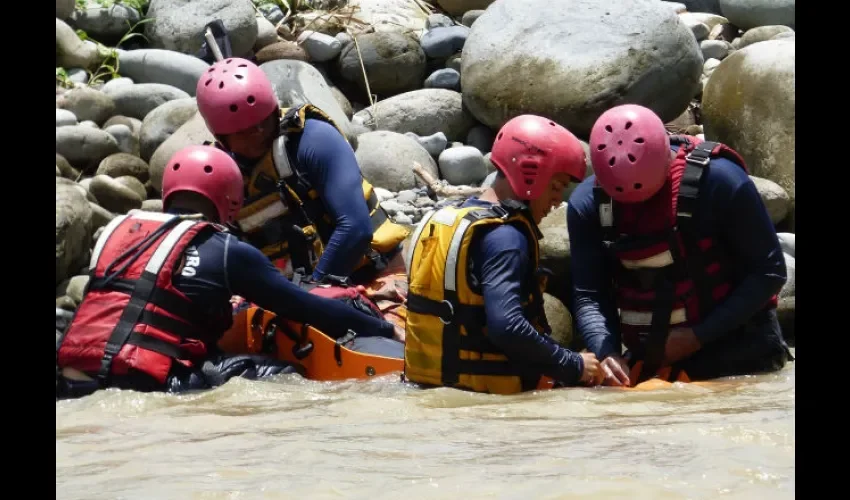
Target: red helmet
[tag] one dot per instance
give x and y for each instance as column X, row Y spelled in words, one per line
column 630, row 152
column 209, row 172
column 234, row 94
column 530, row 149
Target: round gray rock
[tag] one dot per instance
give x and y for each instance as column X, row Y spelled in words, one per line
column 113, row 195
column 65, row 117
column 121, row 164
column 386, row 160
column 167, row 67
column 423, row 112
column 84, row 147
column 178, row 24
column 775, row 199
column 748, row 14
column 462, row 166
column 138, row 100
column 761, row 34
column 394, row 63
column 749, row 104
column 87, row 104
column 127, row 140
column 105, row 24
column 571, row 60
column 64, row 8
column 163, row 121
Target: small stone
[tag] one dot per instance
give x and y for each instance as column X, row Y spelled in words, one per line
column 76, row 287
column 714, row 49
column 470, row 16
column 462, row 165
column 440, row 43
column 434, row 144
column 65, row 117
column 152, row 205
column 443, row 79
column 406, row 196
column 383, row 194
column 423, row 202
column 403, row 219
column 319, row 46
column 127, row 141
column 438, row 21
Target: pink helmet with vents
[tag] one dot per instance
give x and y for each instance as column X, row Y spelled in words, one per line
column 208, row 171
column 234, row 94
column 630, row 152
column 530, row 149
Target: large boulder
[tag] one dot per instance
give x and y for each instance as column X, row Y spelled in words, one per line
column 178, row 24
column 394, row 63
column 298, row 82
column 460, row 7
column 571, row 60
column 162, row 66
column 749, row 103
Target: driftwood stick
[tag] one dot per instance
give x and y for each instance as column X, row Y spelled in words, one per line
column 445, row 191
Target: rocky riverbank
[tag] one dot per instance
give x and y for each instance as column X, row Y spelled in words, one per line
column 439, row 81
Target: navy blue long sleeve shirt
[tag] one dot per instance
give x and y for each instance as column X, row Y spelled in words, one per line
column 219, row 266
column 729, row 209
column 328, row 161
column 500, row 263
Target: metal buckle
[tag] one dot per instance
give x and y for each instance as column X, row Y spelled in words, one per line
column 698, row 161
column 451, row 311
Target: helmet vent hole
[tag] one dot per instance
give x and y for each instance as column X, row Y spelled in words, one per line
column 608, row 128
column 234, row 108
column 638, row 185
column 208, row 82
column 601, row 147
column 628, row 125
column 208, row 169
column 243, row 66
column 176, row 167
column 250, row 99
column 619, row 143
column 552, row 124
column 639, row 140
column 224, row 71
column 631, row 157
column 500, row 136
column 221, row 85
column 239, row 77
column 619, row 189
column 229, row 61
column 611, row 161
column 210, row 70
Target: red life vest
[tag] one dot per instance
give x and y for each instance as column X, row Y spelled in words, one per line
column 132, row 318
column 668, row 273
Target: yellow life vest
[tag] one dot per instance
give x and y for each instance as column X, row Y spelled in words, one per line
column 446, row 342
column 288, row 221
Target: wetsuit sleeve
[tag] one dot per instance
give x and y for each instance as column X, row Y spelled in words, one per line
column 593, row 308
column 750, row 238
column 332, row 169
column 503, row 253
column 252, row 276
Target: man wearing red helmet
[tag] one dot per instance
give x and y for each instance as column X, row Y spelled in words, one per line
column 672, row 232
column 159, row 294
column 306, row 205
column 475, row 317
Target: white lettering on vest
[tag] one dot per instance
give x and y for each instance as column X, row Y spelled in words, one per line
column 193, row 260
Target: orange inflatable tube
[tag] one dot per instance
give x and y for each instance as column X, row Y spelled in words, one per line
column 257, row 331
